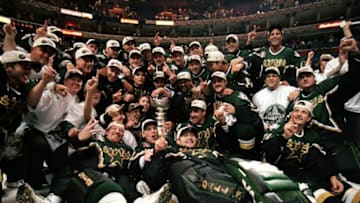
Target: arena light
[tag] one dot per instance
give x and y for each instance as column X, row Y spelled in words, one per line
column 76, row 13
column 72, row 33
column 164, row 22
column 5, row 20
column 328, row 25
column 129, row 21
column 87, row 15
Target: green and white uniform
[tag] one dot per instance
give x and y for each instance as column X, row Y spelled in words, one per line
column 286, row 59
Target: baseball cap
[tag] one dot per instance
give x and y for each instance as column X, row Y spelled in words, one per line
column 183, row 128
column 304, row 69
column 78, row 45
column 147, row 122
column 127, row 39
column 14, row 56
column 177, row 49
column 197, row 43
column 158, row 74
column 304, row 105
column 133, row 106
column 134, row 51
column 210, row 48
column 92, row 41
column 44, row 41
column 326, row 57
column 232, row 36
column 195, row 58
column 272, row 69
column 112, row 43
column 140, row 68
column 144, row 46
column 53, row 37
column 158, row 50
column 73, row 72
column 114, row 63
column 215, row 56
column 82, row 52
column 113, row 107
column 115, row 123
column 183, row 75
column 53, row 29
column 197, row 103
column 219, row 74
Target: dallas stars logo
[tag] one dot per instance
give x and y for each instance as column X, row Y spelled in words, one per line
column 297, row 149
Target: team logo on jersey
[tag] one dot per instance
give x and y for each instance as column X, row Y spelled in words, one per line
column 274, row 114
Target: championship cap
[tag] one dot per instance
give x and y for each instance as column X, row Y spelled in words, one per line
column 114, row 63
column 219, row 74
column 232, row 36
column 112, row 43
column 14, row 56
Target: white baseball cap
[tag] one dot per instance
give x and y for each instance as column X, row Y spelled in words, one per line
column 158, row 50
column 134, row 51
column 147, row 122
column 219, row 74
column 114, row 63
column 305, row 105
column 144, row 46
column 112, row 43
column 115, row 123
column 14, row 56
column 200, row 104
column 92, row 41
column 195, row 58
column 183, row 75
column 215, row 56
column 84, row 51
column 44, row 41
column 183, row 128
column 195, row 43
column 210, row 48
column 127, row 39
column 232, row 36
column 139, row 68
column 159, row 74
column 304, row 69
column 53, row 37
column 272, row 69
column 52, row 29
column 78, row 45
column 73, row 71
column 177, row 49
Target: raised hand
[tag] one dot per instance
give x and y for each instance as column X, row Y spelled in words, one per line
column 88, row 130
column 157, row 39
column 251, row 36
column 48, row 73
column 290, row 128
column 61, row 89
column 10, row 30
column 41, row 31
column 91, row 85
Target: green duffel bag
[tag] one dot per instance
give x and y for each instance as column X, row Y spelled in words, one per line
column 199, row 181
column 265, row 182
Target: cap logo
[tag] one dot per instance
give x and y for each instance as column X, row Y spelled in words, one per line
column 84, row 51
column 44, row 41
column 22, row 56
column 114, row 44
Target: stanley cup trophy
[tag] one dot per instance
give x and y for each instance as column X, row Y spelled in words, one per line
column 161, row 105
